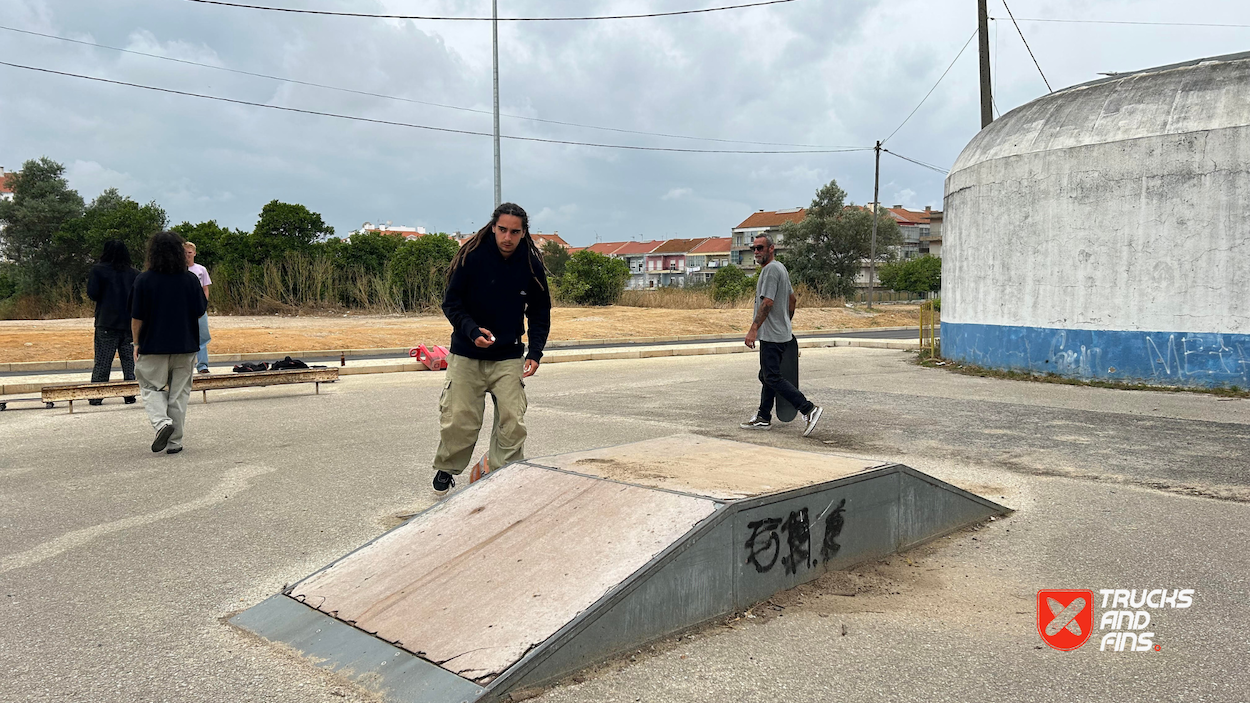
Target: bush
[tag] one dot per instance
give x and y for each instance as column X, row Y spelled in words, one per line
column 920, row 275
column 731, row 284
column 593, row 279
column 418, row 269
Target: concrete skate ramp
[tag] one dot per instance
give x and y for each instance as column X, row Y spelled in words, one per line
column 475, row 583
column 556, row 563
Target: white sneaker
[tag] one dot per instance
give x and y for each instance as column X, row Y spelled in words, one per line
column 757, row 423
column 812, row 418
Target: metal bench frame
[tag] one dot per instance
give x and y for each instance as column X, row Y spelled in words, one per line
column 200, row 382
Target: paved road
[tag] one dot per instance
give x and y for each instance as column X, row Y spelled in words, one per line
column 117, row 566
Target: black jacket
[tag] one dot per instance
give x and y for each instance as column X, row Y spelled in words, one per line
column 169, row 305
column 490, row 291
column 110, row 289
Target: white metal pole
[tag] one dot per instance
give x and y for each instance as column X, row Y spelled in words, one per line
column 494, row 39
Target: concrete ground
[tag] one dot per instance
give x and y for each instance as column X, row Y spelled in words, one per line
column 117, row 566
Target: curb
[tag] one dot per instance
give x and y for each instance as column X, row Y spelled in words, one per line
column 87, row 364
column 558, row 357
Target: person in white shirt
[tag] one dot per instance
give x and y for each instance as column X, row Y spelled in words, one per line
column 201, row 361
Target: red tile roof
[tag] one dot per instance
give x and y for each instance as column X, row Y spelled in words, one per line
column 911, row 217
column 540, row 239
column 677, row 246
column 606, row 248
column 635, row 248
column 772, row 218
column 713, row 245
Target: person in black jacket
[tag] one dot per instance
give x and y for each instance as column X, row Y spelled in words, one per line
column 109, row 286
column 494, row 283
column 165, row 307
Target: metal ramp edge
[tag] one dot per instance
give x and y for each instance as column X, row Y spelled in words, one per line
column 741, row 554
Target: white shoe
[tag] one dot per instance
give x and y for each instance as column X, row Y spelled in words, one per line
column 812, row 418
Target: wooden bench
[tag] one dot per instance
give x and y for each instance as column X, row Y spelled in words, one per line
column 200, row 382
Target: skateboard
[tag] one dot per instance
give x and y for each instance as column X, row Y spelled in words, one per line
column 789, row 371
column 480, row 469
column 4, row 404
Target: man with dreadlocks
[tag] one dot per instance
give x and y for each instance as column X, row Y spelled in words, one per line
column 494, row 282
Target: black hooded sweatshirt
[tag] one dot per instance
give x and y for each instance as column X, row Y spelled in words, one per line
column 110, row 289
column 490, row 291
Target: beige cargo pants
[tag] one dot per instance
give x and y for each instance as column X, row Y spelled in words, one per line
column 463, row 403
column 165, row 386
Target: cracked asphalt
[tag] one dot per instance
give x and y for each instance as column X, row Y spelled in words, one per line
column 118, row 567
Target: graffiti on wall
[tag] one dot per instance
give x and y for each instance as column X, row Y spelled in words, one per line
column 765, row 546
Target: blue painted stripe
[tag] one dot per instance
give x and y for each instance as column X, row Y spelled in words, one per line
column 1162, row 358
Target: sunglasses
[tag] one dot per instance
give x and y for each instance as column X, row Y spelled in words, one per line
column 759, row 247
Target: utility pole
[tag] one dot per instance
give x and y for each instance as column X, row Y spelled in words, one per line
column 876, row 206
column 983, row 40
column 494, row 41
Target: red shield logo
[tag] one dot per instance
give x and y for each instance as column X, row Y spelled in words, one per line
column 1065, row 619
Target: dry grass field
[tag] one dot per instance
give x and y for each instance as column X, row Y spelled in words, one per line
column 56, row 340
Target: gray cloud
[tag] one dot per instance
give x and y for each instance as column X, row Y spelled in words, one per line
column 810, row 72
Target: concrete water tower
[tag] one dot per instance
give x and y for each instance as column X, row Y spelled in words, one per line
column 1103, row 231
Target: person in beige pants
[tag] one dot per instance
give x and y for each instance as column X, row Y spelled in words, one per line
column 494, row 284
column 166, row 303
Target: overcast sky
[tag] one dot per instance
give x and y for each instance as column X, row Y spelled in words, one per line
column 818, row 72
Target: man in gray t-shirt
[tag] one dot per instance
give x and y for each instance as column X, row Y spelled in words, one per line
column 771, row 327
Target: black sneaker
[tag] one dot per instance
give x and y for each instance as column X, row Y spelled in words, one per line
column 96, row 401
column 173, row 450
column 162, row 437
column 757, row 423
column 812, row 416
column 443, row 482
column 130, row 400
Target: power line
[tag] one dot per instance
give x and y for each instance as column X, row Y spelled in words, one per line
column 1026, row 46
column 407, row 100
column 935, row 85
column 488, row 19
column 1151, row 24
column 939, row 169
column 629, row 147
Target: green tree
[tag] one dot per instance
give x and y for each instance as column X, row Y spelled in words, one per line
column 215, row 246
column 42, row 203
column 555, row 258
column 110, row 216
column 370, row 251
column 593, row 279
column 731, row 283
column 826, row 248
column 920, row 275
column 284, row 227
column 419, row 268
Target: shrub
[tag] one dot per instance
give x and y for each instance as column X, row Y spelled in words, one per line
column 593, row 279
column 731, row 284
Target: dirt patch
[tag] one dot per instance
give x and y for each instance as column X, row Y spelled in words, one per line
column 58, row 340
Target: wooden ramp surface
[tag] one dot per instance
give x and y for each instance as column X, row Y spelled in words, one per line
column 716, row 468
column 478, row 581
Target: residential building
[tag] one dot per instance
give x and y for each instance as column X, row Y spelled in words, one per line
column 766, row 222
column 7, row 181
column 635, row 255
column 706, row 258
column 931, row 241
column 541, row 239
column 666, row 264
column 395, row 230
column 605, row 248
